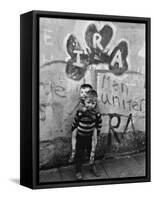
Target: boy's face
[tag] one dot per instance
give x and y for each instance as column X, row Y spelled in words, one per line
column 83, row 92
column 90, row 103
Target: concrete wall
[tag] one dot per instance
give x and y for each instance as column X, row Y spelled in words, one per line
column 123, row 94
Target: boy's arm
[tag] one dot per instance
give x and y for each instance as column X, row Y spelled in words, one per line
column 74, row 129
column 94, row 140
column 74, row 133
column 98, row 123
column 94, row 143
column 76, row 121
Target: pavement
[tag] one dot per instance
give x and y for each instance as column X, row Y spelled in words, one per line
column 118, row 167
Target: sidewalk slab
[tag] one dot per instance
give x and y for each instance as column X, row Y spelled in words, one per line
column 123, row 167
column 51, row 175
column 140, row 158
column 67, row 173
column 141, row 161
column 88, row 174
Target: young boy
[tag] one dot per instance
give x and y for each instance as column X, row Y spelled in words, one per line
column 85, row 127
column 84, row 88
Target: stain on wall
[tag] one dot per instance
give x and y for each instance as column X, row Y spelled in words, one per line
column 118, row 78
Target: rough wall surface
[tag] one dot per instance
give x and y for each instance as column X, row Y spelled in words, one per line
column 121, row 96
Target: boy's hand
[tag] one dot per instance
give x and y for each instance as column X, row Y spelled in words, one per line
column 92, row 157
column 71, row 159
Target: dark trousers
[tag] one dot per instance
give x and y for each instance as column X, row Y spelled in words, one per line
column 82, row 143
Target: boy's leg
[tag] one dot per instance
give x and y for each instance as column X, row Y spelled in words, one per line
column 79, row 155
column 92, row 166
column 89, row 146
column 94, row 170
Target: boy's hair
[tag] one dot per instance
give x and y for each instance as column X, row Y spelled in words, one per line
column 92, row 94
column 83, row 86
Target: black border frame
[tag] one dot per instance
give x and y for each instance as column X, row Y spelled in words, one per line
column 29, row 159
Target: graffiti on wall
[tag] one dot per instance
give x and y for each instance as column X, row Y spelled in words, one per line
column 119, row 94
column 96, row 52
column 115, row 94
column 51, row 90
column 113, row 127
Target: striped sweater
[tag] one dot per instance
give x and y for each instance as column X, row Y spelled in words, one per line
column 86, row 121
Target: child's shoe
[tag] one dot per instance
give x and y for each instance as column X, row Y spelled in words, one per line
column 94, row 171
column 79, row 176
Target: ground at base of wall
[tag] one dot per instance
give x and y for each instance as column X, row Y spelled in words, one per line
column 56, row 152
column 119, row 167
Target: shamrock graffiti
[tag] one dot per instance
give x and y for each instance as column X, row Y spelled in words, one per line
column 95, row 53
